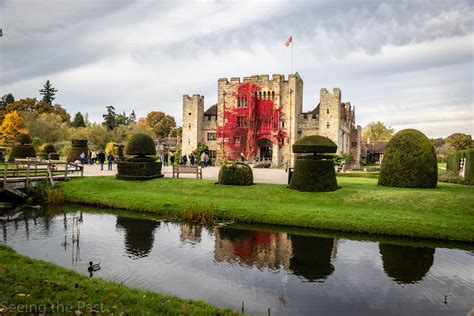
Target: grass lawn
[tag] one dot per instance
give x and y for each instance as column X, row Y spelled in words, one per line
column 359, row 206
column 26, row 284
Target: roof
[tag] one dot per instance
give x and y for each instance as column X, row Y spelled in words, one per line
column 375, row 147
column 212, row 110
column 314, row 112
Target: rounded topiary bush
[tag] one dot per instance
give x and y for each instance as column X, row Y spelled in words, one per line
column 141, row 166
column 314, row 144
column 24, row 139
column 409, row 161
column 235, row 174
column 21, row 152
column 314, row 173
column 141, row 145
column 49, row 148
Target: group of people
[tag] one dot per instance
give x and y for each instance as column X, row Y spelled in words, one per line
column 167, row 158
column 93, row 157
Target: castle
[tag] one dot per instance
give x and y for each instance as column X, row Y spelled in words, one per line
column 261, row 118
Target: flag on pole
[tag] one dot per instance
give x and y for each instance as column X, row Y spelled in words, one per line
column 289, row 41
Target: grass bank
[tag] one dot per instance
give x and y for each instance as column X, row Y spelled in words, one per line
column 30, row 286
column 360, row 206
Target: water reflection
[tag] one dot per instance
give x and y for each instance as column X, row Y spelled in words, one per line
column 307, row 257
column 312, row 257
column 139, row 235
column 406, row 264
column 190, row 233
column 262, row 249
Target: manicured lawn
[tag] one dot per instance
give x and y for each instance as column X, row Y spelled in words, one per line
column 26, row 284
column 359, row 206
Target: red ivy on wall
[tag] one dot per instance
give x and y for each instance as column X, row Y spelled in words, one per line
column 248, row 119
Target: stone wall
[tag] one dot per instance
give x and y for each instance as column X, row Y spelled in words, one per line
column 193, row 115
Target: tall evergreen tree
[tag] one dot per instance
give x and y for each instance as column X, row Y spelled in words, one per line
column 78, row 120
column 6, row 99
column 110, row 117
column 48, row 93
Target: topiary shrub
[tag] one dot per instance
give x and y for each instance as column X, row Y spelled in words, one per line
column 141, row 166
column 141, row 145
column 78, row 147
column 235, row 174
column 409, row 161
column 314, row 173
column 21, row 152
column 24, row 139
column 49, row 148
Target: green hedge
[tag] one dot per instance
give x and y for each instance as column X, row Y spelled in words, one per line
column 314, row 144
column 373, row 175
column 21, row 152
column 453, row 162
column 313, row 175
column 138, row 170
column 49, row 148
column 24, row 139
column 235, row 174
column 409, row 161
column 141, row 145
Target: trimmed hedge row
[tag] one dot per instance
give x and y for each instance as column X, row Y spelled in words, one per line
column 235, row 174
column 453, row 163
column 130, row 170
column 373, row 175
column 21, row 152
column 409, row 161
column 313, row 175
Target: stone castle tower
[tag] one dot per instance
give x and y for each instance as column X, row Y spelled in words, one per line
column 262, row 118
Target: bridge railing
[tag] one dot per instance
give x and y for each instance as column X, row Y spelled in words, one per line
column 33, row 169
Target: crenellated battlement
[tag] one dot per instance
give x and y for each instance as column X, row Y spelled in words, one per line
column 262, row 78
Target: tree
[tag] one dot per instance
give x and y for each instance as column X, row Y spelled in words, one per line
column 23, row 105
column 49, row 127
column 121, row 119
column 459, row 141
column 133, row 118
column 377, row 131
column 6, row 99
column 109, row 118
column 437, row 142
column 78, row 120
column 161, row 123
column 12, row 126
column 48, row 93
column 176, row 132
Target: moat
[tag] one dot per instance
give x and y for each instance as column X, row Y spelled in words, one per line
column 289, row 271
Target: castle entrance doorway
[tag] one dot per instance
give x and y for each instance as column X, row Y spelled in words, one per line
column 266, row 149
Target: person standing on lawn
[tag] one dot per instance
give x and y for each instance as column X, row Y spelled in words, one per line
column 101, row 158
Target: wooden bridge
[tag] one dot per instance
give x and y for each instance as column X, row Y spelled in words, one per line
column 29, row 172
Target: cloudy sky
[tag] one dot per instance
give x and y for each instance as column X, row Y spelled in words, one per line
column 406, row 63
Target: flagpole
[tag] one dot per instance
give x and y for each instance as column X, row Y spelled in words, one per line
column 291, row 57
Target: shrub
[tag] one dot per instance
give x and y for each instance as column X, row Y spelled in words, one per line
column 313, row 175
column 21, row 152
column 78, row 147
column 451, row 177
column 141, row 145
column 49, row 148
column 409, row 161
column 236, row 174
column 129, row 170
column 453, row 163
column 24, row 139
column 314, row 144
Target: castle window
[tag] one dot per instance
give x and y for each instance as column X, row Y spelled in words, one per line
column 328, row 125
column 305, row 116
column 211, row 136
column 354, row 144
column 273, row 95
column 212, row 154
column 327, row 111
column 241, row 122
column 189, row 113
column 190, row 126
column 282, row 123
column 189, row 141
column 237, row 140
